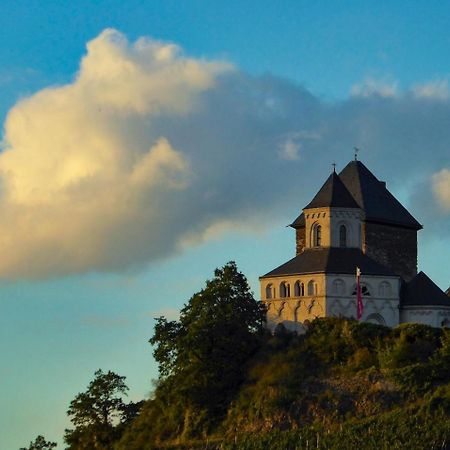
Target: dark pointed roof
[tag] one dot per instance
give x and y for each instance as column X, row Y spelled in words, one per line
column 299, row 222
column 422, row 291
column 330, row 260
column 333, row 194
column 372, row 196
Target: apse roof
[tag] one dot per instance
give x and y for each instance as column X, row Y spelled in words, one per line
column 422, row 291
column 330, row 260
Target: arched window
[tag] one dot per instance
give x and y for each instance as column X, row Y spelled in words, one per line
column 384, row 289
column 376, row 318
column 338, row 287
column 342, row 236
column 317, row 235
column 364, row 290
column 285, row 290
column 299, row 289
column 312, row 288
column 269, row 291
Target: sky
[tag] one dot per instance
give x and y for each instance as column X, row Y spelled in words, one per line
column 146, row 143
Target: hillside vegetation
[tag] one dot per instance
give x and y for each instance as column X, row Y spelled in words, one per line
column 226, row 383
column 342, row 385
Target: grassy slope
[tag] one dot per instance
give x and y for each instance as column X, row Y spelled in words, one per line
column 343, row 385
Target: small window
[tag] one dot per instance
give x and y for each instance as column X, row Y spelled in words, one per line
column 364, row 291
column 342, row 236
column 285, row 290
column 385, row 289
column 299, row 289
column 317, row 236
column 269, row 291
column 338, row 287
column 312, row 288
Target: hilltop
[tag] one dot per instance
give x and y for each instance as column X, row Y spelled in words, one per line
column 226, row 382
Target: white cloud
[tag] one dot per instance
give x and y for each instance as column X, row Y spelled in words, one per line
column 372, row 87
column 441, row 188
column 79, row 172
column 148, row 152
column 289, row 149
column 434, row 90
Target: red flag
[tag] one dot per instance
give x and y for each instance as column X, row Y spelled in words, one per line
column 359, row 302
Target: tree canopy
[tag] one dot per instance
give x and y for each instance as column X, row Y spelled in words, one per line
column 207, row 348
column 40, row 444
column 99, row 413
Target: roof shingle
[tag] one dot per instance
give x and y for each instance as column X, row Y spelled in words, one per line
column 372, row 196
column 330, row 260
column 422, row 291
column 333, row 193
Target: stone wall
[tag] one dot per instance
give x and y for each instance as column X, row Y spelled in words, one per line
column 300, row 239
column 394, row 247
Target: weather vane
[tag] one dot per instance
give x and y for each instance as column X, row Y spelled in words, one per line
column 356, row 153
column 334, row 167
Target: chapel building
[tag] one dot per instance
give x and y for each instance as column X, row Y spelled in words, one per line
column 353, row 221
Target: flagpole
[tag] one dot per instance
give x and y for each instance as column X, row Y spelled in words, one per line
column 359, row 302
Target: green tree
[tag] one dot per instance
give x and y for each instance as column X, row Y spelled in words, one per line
column 40, row 444
column 99, row 414
column 203, row 356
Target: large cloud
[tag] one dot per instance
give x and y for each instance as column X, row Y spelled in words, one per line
column 147, row 151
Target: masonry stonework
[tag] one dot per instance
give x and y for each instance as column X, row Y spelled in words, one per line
column 394, row 247
column 300, row 236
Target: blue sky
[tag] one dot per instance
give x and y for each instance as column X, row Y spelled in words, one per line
column 306, row 81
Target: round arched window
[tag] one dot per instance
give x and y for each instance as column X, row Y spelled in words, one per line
column 317, row 235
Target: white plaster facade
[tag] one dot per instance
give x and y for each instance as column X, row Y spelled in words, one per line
column 437, row 316
column 331, row 220
column 292, row 300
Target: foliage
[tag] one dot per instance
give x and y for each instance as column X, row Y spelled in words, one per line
column 40, row 444
column 101, row 403
column 412, row 344
column 100, row 414
column 341, row 382
column 408, row 428
column 202, row 358
column 209, row 346
column 226, row 383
